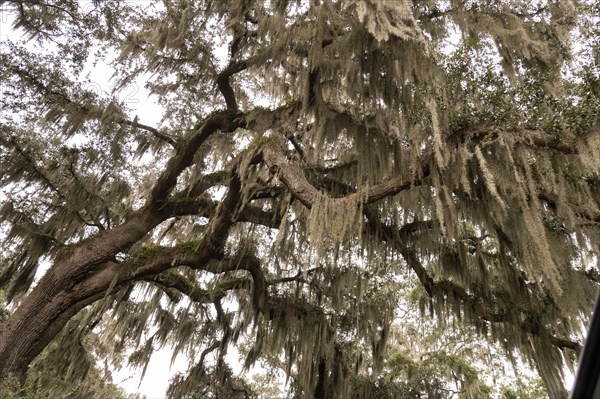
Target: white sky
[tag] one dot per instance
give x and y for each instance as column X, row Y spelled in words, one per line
column 155, row 382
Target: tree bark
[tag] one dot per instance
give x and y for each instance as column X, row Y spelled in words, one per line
column 78, row 277
column 37, row 321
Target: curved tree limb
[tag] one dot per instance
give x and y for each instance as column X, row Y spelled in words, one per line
column 293, row 177
column 446, row 288
column 225, row 121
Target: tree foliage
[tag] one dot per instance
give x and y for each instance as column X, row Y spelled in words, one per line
column 311, row 157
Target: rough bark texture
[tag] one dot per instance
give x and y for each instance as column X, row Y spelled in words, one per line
column 75, row 280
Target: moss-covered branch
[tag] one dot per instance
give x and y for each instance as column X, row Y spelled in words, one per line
column 443, row 289
column 295, row 180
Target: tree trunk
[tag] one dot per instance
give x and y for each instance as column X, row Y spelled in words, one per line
column 80, row 275
column 40, row 317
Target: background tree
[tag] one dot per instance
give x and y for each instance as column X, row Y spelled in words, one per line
column 292, row 184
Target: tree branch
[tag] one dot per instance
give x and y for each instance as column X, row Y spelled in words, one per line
column 293, row 177
column 225, row 121
column 521, row 135
column 153, row 130
column 224, row 84
column 445, row 288
column 178, row 282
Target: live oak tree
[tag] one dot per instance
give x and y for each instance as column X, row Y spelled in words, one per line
column 310, row 157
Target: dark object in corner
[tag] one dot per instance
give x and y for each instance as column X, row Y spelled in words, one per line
column 587, row 381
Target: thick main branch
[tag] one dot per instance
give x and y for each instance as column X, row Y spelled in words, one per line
column 295, row 180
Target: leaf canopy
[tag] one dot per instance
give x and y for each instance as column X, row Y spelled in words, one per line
column 311, row 158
